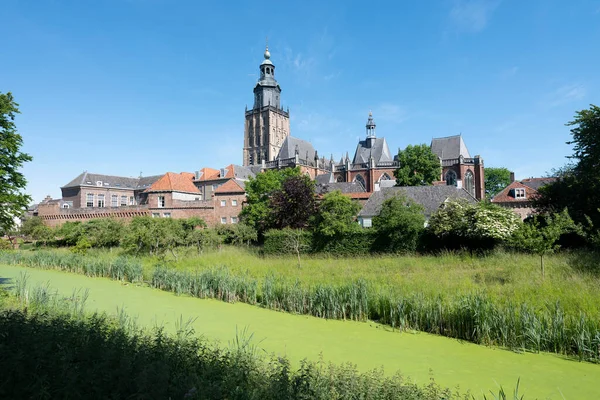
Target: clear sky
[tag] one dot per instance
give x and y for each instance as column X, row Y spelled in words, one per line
column 128, row 86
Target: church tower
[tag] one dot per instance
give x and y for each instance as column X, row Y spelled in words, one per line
column 267, row 125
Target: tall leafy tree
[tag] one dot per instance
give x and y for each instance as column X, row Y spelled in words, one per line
column 578, row 185
column 336, row 215
column 13, row 202
column 419, row 166
column 294, row 204
column 496, row 179
column 257, row 212
column 400, row 223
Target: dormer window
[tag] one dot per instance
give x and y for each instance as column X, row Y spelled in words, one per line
column 519, row 193
column 99, row 183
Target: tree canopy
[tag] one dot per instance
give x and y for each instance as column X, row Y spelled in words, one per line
column 336, row 215
column 496, row 179
column 400, row 223
column 257, row 212
column 293, row 205
column 13, row 202
column 419, row 166
column 578, row 185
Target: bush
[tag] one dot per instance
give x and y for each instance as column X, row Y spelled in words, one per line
column 356, row 243
column 287, row 241
column 480, row 226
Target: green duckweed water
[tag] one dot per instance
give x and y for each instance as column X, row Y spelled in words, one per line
column 368, row 345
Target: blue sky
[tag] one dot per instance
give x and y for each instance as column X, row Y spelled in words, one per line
column 128, row 86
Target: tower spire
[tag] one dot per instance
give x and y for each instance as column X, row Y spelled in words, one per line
column 370, row 126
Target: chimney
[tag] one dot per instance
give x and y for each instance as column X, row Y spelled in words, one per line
column 512, row 177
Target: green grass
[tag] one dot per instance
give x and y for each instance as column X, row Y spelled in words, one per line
column 369, row 345
column 496, row 300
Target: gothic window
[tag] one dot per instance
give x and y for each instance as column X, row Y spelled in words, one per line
column 385, row 177
column 450, row 178
column 360, row 180
column 340, row 179
column 470, row 182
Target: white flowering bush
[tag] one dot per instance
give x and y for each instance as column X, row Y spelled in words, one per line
column 481, row 221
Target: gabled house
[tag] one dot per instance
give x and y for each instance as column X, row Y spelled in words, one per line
column 175, row 196
column 430, row 197
column 519, row 195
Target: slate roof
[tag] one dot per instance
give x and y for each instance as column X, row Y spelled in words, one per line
column 379, row 150
column 231, row 186
column 344, row 187
column 111, row 181
column 430, row 197
column 288, row 149
column 238, row 172
column 325, row 178
column 536, row 183
column 450, row 147
column 172, row 182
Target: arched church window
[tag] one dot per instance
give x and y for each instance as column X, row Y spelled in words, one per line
column 470, row 183
column 339, row 179
column 360, row 180
column 450, row 178
column 385, row 177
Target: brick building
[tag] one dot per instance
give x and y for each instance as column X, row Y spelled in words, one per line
column 519, row 195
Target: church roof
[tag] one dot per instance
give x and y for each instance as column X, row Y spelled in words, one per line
column 344, row 187
column 430, row 197
column 173, row 182
column 379, row 150
column 111, row 181
column 325, row 178
column 288, row 149
column 450, row 147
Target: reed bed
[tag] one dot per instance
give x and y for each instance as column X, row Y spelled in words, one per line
column 476, row 316
column 121, row 268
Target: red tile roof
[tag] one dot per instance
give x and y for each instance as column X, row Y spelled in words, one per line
column 231, row 186
column 208, row 174
column 507, row 194
column 172, row 182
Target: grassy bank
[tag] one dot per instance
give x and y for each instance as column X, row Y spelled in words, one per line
column 497, row 300
column 367, row 345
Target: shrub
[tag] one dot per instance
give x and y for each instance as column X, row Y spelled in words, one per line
column 287, row 241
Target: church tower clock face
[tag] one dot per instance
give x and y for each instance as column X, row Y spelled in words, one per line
column 267, row 124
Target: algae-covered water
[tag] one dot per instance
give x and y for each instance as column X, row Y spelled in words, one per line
column 368, row 345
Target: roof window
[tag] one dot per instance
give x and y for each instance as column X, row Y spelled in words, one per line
column 98, row 183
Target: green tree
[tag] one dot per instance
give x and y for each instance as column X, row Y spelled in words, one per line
column 419, row 166
column 30, row 224
column 578, row 185
column 540, row 235
column 400, row 223
column 336, row 215
column 43, row 233
column 257, row 211
column 13, row 202
column 496, row 179
column 203, row 239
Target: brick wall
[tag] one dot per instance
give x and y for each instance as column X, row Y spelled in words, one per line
column 228, row 206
